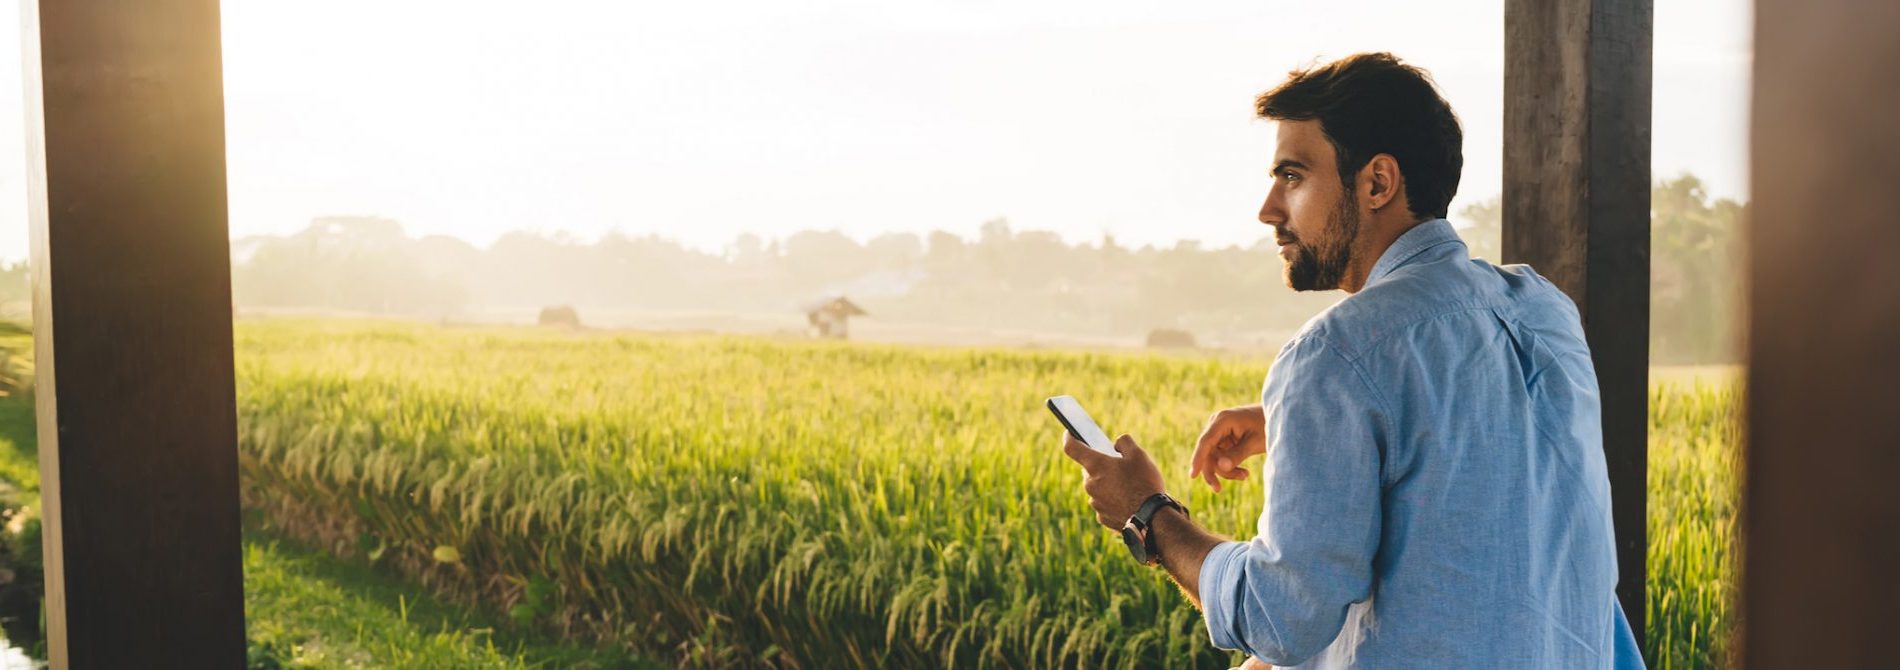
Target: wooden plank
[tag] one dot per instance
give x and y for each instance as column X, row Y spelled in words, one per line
column 1576, row 208
column 1821, row 510
column 132, row 320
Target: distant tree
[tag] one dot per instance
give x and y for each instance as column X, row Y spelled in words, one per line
column 15, row 282
column 1481, row 226
column 895, row 251
column 945, row 254
column 1695, row 279
column 746, row 249
column 1004, row 278
column 1694, row 276
column 350, row 263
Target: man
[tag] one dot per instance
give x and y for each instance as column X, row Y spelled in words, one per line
column 1436, row 495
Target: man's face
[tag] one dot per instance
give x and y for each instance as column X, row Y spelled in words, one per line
column 1315, row 217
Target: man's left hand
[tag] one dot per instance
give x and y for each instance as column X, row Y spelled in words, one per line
column 1116, row 486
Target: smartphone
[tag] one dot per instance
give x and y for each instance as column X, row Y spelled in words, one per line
column 1070, row 413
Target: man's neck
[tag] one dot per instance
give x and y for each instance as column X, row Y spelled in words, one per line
column 1375, row 236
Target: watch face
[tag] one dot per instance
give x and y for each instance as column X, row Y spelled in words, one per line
column 1136, row 544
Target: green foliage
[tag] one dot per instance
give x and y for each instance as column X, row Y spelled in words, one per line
column 741, row 502
column 735, row 502
column 1695, row 268
column 1695, row 273
column 873, row 506
column 303, row 608
column 15, row 287
column 360, row 264
column 1694, row 489
column 307, row 610
column 1003, row 280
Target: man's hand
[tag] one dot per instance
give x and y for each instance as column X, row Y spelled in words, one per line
column 1116, row 486
column 1232, row 436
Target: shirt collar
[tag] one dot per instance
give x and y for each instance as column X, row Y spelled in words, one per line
column 1425, row 235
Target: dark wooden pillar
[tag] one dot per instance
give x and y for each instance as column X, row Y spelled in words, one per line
column 132, row 322
column 1576, row 208
column 1821, row 507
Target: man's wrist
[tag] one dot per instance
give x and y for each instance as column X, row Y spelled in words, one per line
column 1138, row 531
column 1183, row 546
column 1169, row 526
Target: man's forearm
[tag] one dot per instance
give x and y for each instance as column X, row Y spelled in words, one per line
column 1184, row 546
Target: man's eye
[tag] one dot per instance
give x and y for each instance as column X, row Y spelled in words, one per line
column 1289, row 177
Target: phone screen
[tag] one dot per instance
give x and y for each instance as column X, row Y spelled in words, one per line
column 1070, row 413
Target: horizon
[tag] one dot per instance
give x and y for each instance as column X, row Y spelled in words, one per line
column 565, row 236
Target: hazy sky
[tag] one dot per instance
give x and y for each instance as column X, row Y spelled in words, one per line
column 702, row 120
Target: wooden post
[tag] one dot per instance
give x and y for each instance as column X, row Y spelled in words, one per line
column 1821, row 509
column 1576, row 208
column 132, row 325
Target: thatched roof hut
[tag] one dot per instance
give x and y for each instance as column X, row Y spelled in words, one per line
column 828, row 316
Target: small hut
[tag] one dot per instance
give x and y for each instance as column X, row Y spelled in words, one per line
column 827, row 317
column 1169, row 338
column 559, row 315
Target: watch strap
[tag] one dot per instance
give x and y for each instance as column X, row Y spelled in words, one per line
column 1145, row 514
column 1142, row 524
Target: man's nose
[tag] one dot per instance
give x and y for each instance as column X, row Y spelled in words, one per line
column 1272, row 212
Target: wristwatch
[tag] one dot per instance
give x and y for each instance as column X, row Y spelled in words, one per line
column 1135, row 533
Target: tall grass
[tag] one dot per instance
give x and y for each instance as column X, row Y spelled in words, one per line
column 738, row 501
column 1694, row 441
column 303, row 609
column 745, row 502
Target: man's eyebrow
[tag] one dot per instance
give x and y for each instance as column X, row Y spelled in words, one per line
column 1286, row 163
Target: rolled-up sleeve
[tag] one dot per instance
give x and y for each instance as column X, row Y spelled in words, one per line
column 1282, row 596
column 1218, row 593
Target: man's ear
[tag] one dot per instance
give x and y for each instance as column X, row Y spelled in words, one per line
column 1382, row 180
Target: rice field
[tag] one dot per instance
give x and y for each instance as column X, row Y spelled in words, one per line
column 742, row 502
column 303, row 609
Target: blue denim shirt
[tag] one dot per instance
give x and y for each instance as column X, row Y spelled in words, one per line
column 1436, row 495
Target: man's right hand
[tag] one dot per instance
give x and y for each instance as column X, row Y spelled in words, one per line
column 1232, row 436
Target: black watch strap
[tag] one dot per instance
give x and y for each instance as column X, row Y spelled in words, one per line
column 1145, row 514
column 1138, row 531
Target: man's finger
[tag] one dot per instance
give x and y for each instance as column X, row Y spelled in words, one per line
column 1212, row 468
column 1210, row 442
column 1131, row 450
column 1125, row 445
column 1079, row 452
column 1203, row 448
column 1236, row 474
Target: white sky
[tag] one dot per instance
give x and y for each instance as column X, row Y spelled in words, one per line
column 702, row 120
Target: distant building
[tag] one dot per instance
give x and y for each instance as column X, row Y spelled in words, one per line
column 828, row 317
column 1169, row 338
column 559, row 315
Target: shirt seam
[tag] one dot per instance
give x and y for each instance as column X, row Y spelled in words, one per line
column 1365, row 378
column 1378, row 396
column 1452, row 310
column 1399, row 260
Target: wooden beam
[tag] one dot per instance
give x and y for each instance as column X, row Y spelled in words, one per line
column 1576, row 208
column 132, row 325
column 1821, row 510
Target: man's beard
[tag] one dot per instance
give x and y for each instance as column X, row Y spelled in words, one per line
column 1321, row 269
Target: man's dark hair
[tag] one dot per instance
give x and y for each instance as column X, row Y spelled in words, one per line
column 1370, row 104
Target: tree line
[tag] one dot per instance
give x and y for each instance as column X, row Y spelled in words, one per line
column 1003, row 278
